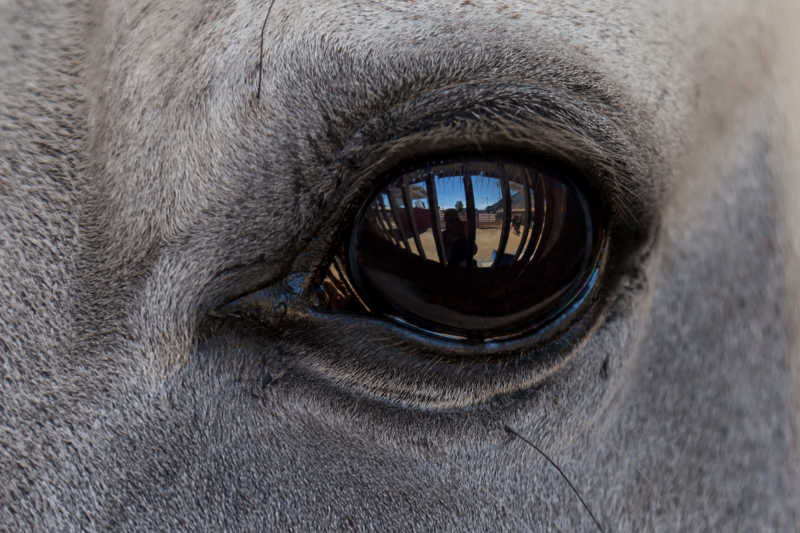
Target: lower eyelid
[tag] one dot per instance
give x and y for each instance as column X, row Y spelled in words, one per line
column 386, row 362
column 361, row 354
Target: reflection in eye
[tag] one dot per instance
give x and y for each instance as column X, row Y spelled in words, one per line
column 469, row 249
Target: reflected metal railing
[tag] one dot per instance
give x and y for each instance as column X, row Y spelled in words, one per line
column 397, row 217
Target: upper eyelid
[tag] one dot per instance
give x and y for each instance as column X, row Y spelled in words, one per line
column 356, row 139
column 584, row 131
column 367, row 105
column 580, row 131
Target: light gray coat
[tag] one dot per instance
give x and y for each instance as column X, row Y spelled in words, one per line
column 143, row 183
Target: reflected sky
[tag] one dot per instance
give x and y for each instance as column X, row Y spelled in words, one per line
column 450, row 189
column 472, row 228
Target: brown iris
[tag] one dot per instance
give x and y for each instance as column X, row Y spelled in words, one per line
column 473, row 249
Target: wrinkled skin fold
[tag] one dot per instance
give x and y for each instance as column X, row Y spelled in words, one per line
column 144, row 183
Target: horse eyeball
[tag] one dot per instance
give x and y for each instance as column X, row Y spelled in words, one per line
column 471, row 249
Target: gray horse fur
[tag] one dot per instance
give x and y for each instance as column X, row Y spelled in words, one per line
column 143, row 183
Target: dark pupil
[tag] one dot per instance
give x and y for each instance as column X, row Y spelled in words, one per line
column 473, row 249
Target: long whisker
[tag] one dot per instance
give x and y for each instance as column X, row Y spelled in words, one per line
column 261, row 50
column 575, row 490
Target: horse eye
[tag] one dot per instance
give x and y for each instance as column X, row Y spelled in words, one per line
column 470, row 249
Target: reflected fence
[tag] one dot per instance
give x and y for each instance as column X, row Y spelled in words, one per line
column 467, row 220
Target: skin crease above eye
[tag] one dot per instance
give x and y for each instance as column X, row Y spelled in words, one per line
column 143, row 183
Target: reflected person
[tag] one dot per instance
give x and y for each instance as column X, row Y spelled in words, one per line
column 458, row 250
